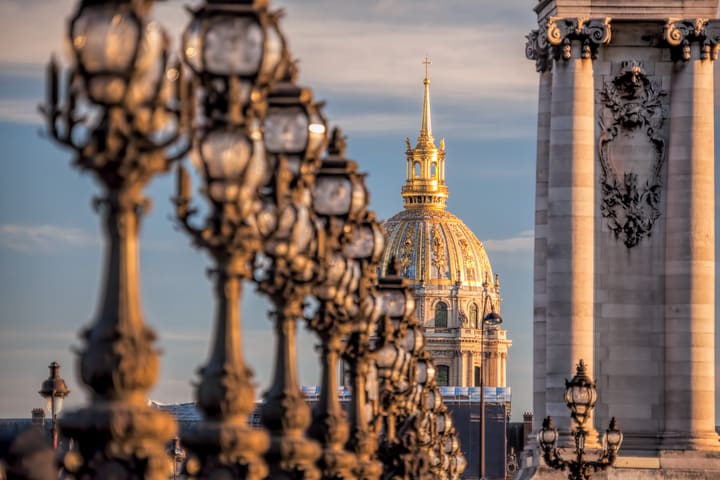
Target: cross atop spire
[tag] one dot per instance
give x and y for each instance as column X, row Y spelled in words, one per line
column 427, row 63
column 426, row 126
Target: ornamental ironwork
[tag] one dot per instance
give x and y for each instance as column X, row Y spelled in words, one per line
column 286, row 211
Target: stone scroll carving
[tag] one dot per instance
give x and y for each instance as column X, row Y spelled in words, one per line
column 590, row 32
column 538, row 49
column 631, row 109
column 680, row 34
column 553, row 39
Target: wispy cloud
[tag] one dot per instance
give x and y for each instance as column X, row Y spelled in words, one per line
column 44, row 238
column 350, row 47
column 20, row 111
column 523, row 242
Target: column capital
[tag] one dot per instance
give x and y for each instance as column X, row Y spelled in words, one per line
column 590, row 32
column 538, row 49
column 681, row 33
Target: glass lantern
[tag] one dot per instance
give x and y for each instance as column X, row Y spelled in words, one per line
column 547, row 437
column 234, row 39
column 223, row 155
column 294, row 127
column 121, row 56
column 580, row 394
column 367, row 242
column 434, row 399
column 340, row 191
column 413, row 341
column 385, row 359
column 54, row 390
column 613, row 438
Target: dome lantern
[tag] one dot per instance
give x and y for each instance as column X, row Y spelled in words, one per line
column 425, row 170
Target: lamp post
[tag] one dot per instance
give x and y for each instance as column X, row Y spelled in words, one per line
column 233, row 48
column 286, row 270
column 491, row 319
column 580, row 396
column 118, row 112
column 54, row 390
column 351, row 245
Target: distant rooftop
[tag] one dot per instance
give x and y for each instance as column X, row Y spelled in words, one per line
column 188, row 412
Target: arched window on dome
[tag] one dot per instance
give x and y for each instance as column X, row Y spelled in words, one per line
column 441, row 315
column 473, row 310
column 443, row 375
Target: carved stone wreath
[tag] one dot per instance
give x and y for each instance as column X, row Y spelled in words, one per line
column 630, row 104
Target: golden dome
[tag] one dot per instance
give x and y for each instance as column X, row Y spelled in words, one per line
column 435, row 247
column 430, row 244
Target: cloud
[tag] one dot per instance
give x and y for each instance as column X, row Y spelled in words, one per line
column 20, row 111
column 44, row 238
column 369, row 48
column 523, row 242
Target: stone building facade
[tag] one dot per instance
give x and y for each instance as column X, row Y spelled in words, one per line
column 624, row 225
column 448, row 268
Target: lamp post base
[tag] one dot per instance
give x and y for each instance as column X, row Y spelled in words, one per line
column 661, row 465
column 119, row 439
column 235, row 448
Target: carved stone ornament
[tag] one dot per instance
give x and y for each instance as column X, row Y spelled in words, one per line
column 590, row 32
column 538, row 49
column 439, row 257
column 407, row 251
column 679, row 34
column 630, row 107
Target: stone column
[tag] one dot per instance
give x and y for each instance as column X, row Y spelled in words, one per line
column 537, row 49
column 571, row 193
column 690, row 241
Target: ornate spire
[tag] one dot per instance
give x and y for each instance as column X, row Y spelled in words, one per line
column 426, row 127
column 425, row 172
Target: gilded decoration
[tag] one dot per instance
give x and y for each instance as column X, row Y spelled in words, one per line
column 631, row 105
column 439, row 254
column 410, row 239
column 406, row 251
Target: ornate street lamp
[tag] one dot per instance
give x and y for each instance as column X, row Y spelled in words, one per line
column 350, row 248
column 120, row 115
column 232, row 162
column 231, row 41
column 580, row 395
column 54, row 390
column 491, row 319
column 294, row 137
column 233, row 49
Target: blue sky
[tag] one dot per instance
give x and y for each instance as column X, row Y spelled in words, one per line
column 364, row 58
